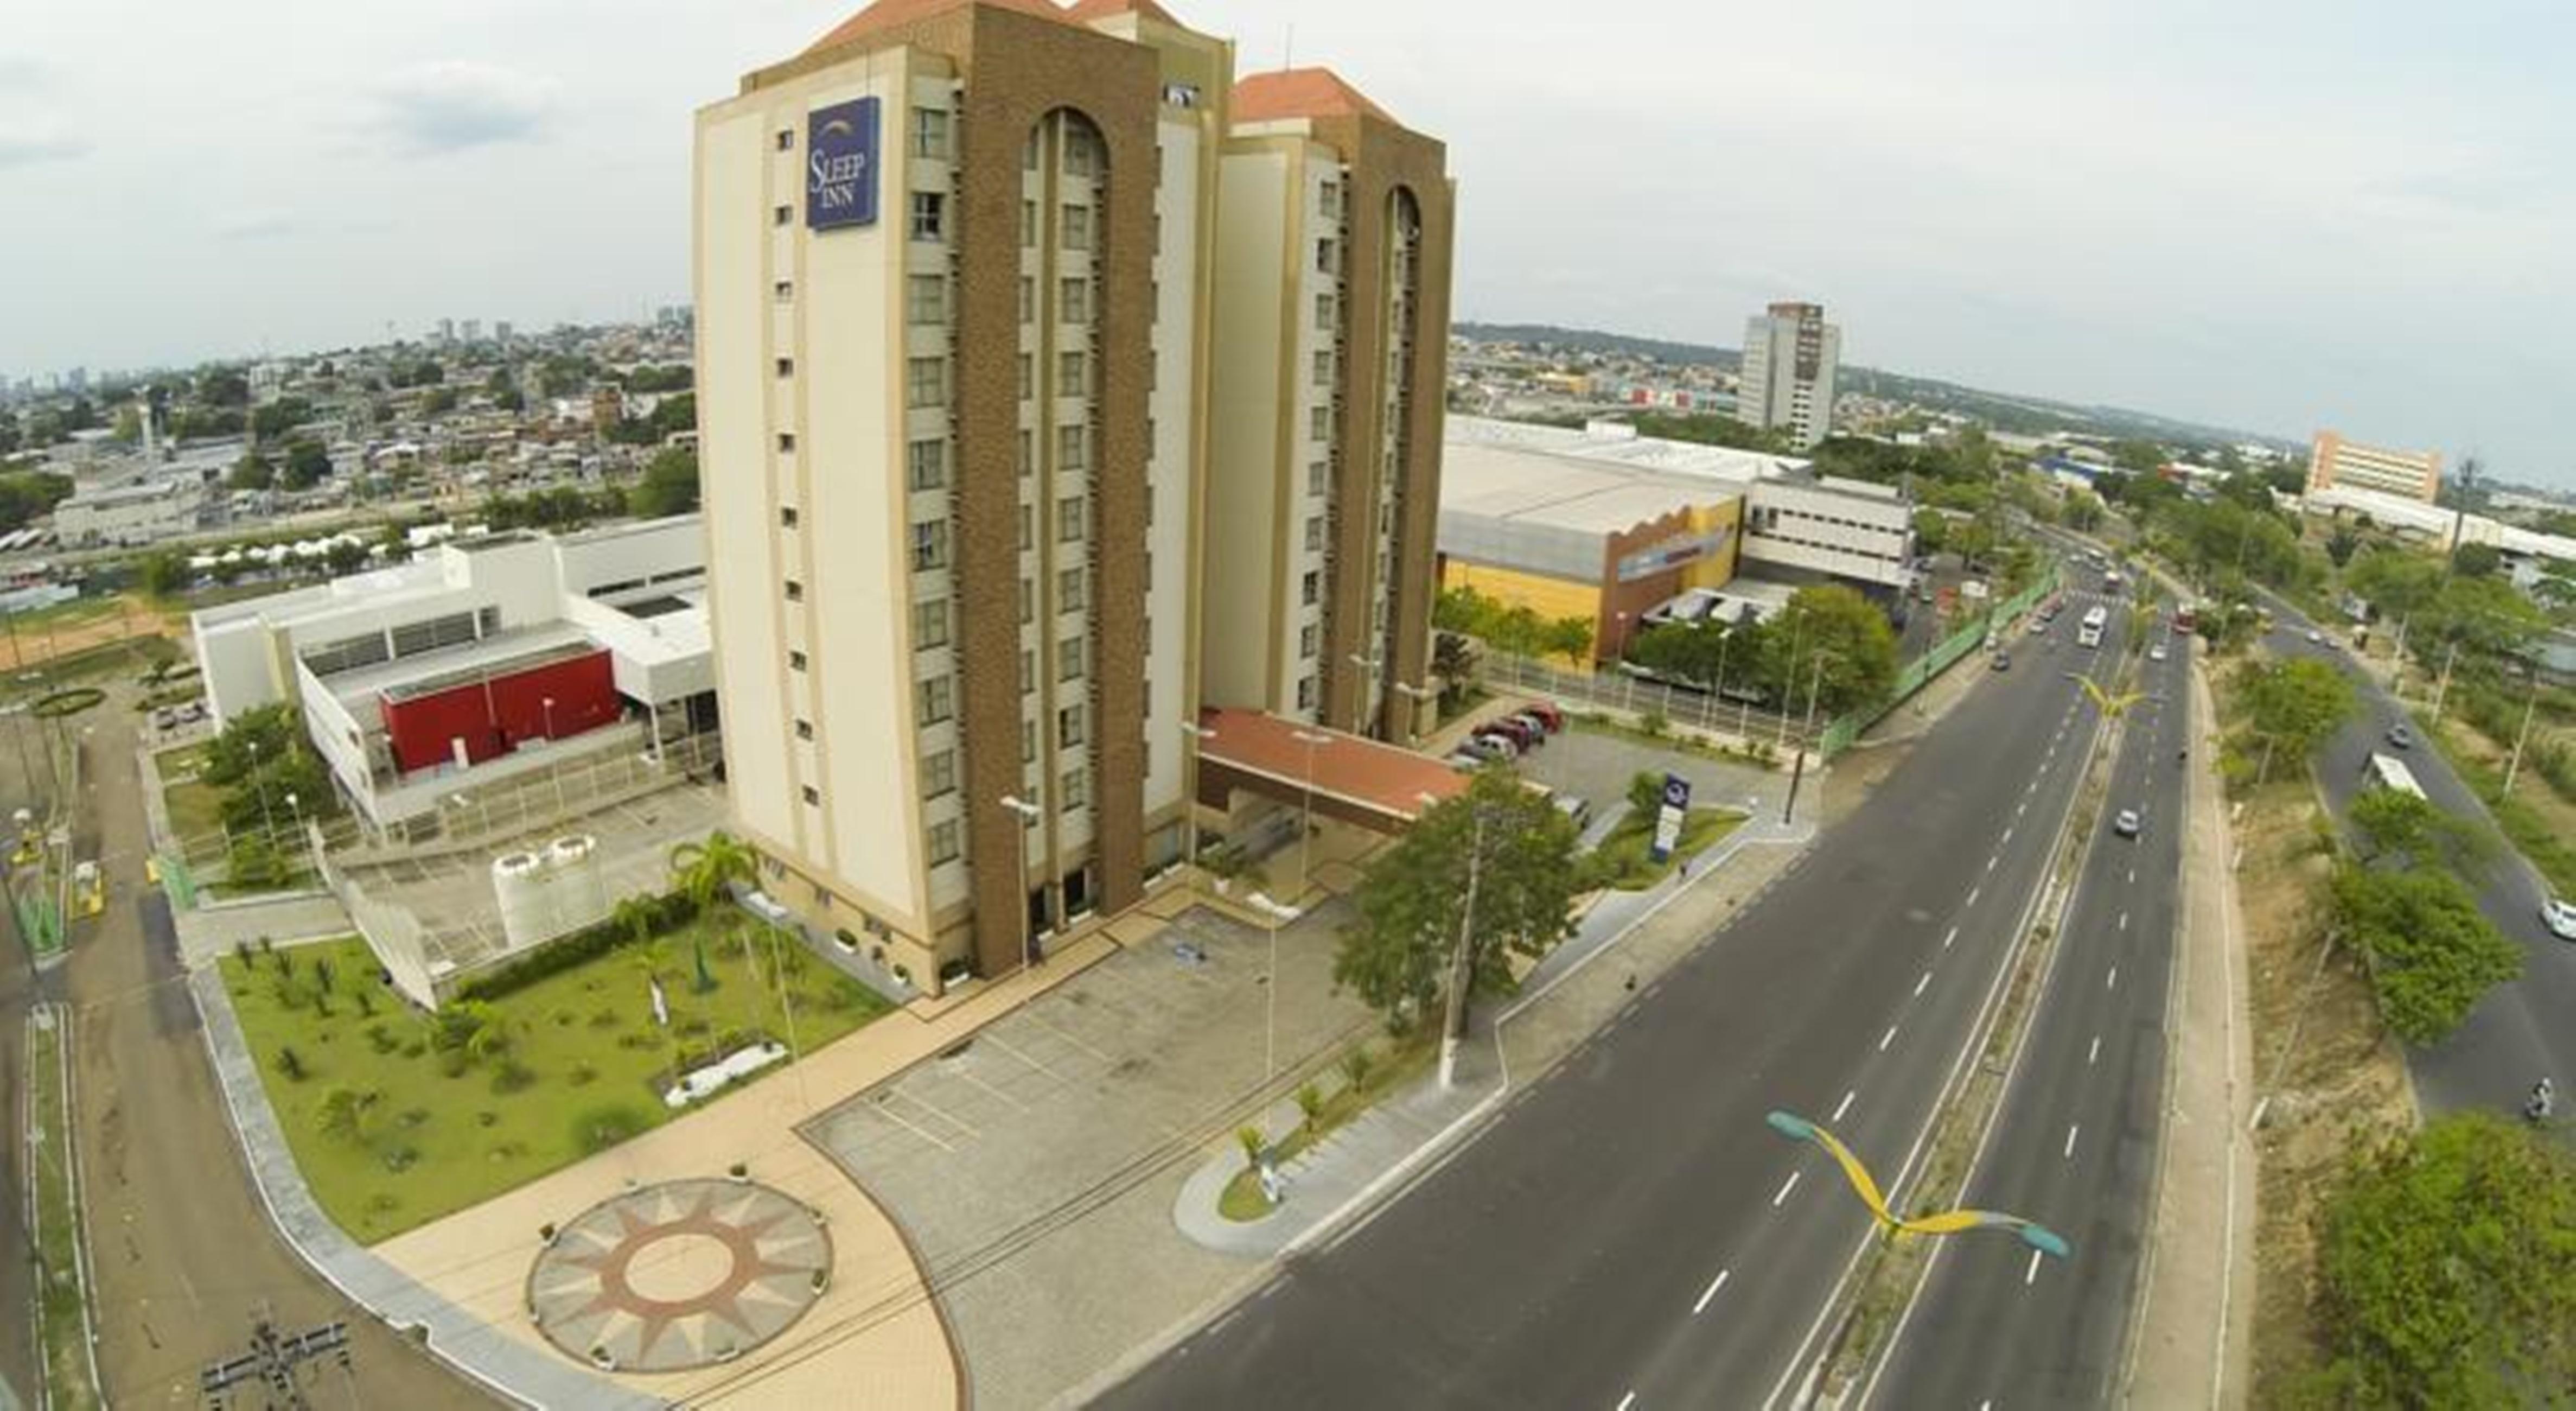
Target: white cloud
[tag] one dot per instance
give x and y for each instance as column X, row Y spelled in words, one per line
column 25, row 144
column 451, row 106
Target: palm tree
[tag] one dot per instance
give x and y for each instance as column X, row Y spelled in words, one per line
column 634, row 915
column 709, row 869
column 349, row 1113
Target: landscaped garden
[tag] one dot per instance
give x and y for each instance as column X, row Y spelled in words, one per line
column 397, row 1117
column 196, row 808
column 1626, row 860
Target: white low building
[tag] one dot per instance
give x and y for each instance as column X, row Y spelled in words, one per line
column 126, row 515
column 484, row 657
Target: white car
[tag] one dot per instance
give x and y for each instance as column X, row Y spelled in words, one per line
column 2560, row 917
column 2156, row 652
column 2316, row 636
column 2126, row 825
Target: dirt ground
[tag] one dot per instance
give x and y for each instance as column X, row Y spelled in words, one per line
column 2330, row 1079
column 61, row 634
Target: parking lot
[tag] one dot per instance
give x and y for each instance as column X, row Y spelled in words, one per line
column 1596, row 767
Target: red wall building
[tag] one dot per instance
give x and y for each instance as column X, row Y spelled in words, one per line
column 497, row 713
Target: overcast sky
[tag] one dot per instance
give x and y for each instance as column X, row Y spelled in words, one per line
column 2276, row 216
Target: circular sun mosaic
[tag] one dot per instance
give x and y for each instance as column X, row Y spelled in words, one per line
column 679, row 1275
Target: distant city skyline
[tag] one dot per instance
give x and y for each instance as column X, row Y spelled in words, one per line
column 2202, row 212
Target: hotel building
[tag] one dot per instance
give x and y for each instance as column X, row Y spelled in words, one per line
column 958, row 283
column 2334, row 462
column 1787, row 376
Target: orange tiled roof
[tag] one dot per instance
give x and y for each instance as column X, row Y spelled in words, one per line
column 1300, row 93
column 1085, row 11
column 886, row 14
column 1375, row 775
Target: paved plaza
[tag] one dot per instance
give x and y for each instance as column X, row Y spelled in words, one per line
column 679, row 1275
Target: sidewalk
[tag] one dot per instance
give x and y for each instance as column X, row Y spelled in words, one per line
column 2191, row 1342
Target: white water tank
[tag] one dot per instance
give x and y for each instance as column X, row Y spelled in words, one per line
column 525, row 888
column 580, row 892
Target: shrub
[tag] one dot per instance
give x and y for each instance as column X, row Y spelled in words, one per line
column 401, row 1156
column 603, row 1018
column 1654, row 723
column 1310, row 1102
column 513, row 1077
column 1250, row 1138
column 452, row 1062
column 599, row 1128
column 582, row 1074
column 382, row 1039
column 322, row 974
column 290, row 1064
column 415, row 1048
column 670, row 912
column 1357, row 1065
column 366, row 1001
column 563, row 1017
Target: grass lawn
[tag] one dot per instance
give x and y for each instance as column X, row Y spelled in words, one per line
column 439, row 1131
column 1242, row 1199
column 59, row 1309
column 2532, row 817
column 195, row 808
column 1626, row 861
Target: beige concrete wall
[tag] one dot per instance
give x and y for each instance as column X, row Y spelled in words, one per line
column 1245, row 495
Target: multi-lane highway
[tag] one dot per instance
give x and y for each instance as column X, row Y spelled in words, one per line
column 2520, row 1031
column 2074, row 1144
column 1629, row 1234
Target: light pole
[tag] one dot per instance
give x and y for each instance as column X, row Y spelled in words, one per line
column 1198, row 736
column 554, row 765
column 259, row 781
column 1462, row 966
column 1306, row 810
column 1806, row 732
column 2523, row 736
column 1025, row 817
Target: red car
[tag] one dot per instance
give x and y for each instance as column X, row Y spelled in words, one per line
column 1547, row 715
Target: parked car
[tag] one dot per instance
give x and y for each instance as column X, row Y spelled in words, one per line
column 1520, row 732
column 1465, row 760
column 2559, row 915
column 1487, row 745
column 2316, row 636
column 2400, row 736
column 1577, row 811
column 2002, row 661
column 2156, row 652
column 2126, row 825
column 1548, row 715
column 1539, row 728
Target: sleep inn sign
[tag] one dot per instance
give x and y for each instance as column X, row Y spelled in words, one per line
column 841, row 165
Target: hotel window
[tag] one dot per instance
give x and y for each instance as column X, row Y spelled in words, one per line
column 779, row 215
column 1068, row 520
column 926, row 299
column 1324, row 311
column 930, row 624
column 1327, row 256
column 929, row 214
column 1028, row 531
column 1069, row 374
column 1068, row 590
column 1028, row 452
column 1076, row 230
column 804, row 729
column 933, row 700
column 926, row 381
column 786, row 139
column 1323, row 368
column 1081, row 157
column 1028, row 298
column 1028, row 602
column 1028, row 224
column 1028, row 672
column 1314, row 531
column 787, row 367
column 796, row 661
column 783, row 290
column 1068, row 663
column 795, row 591
column 787, row 442
column 813, row 796
column 1073, row 300
column 1072, row 447
column 1306, row 641
column 1332, row 199
column 938, row 773
column 929, row 545
column 786, row 516
column 1311, row 587
column 929, row 133
column 1028, row 375
column 926, row 465
column 1028, row 741
column 1068, row 727
column 1306, row 694
column 1315, row 477
column 1319, row 423
column 943, row 842
column 1076, row 790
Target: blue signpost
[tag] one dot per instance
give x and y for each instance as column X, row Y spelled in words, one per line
column 1669, row 816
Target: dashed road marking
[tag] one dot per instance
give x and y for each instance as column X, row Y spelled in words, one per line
column 2031, row 1273
column 1843, row 1106
column 2069, row 1153
column 2093, row 1052
column 1627, row 1401
column 1887, row 1038
column 1919, row 985
column 1990, row 862
column 1710, row 1292
column 2113, row 981
column 1786, row 1187
column 1972, row 895
column 1953, row 936
column 2124, row 921
column 2008, row 832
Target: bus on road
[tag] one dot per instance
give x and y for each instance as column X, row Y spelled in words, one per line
column 2390, row 772
column 2090, row 633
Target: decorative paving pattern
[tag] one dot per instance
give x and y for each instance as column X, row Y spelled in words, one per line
column 679, row 1275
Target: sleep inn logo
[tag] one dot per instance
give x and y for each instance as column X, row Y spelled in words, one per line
column 841, row 165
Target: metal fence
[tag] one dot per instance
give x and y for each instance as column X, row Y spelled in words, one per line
column 1633, row 695
column 1920, row 672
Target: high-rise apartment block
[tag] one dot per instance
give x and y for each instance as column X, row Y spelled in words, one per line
column 1787, row 377
column 971, row 300
column 2334, row 461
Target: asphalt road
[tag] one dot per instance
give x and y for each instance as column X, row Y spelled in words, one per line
column 2519, row 1031
column 1628, row 1234
column 184, row 1252
column 1994, row 1326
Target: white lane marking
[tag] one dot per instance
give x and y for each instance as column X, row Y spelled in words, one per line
column 1710, row 1292
column 1786, row 1187
column 1920, row 984
column 2032, row 1272
column 2113, row 981
column 1887, row 1038
column 2022, row 809
column 1972, row 895
column 1627, row 1401
column 2093, row 1052
column 2124, row 921
column 2070, row 1141
column 1946, row 940
column 1990, row 862
column 1843, row 1106
column 2007, row 833
column 2133, row 874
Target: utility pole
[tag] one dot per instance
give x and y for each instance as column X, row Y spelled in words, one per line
column 2442, row 692
column 2514, row 766
column 1462, row 967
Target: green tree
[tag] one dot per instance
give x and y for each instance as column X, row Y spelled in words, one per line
column 669, row 486
column 1831, row 641
column 2300, row 703
column 2447, row 1271
column 438, row 402
column 673, row 414
column 2432, row 954
column 1398, row 951
column 1694, row 653
column 306, row 464
column 1570, row 638
column 2083, row 510
column 164, row 575
column 635, row 915
column 2138, row 457
column 2398, row 582
column 2394, row 825
column 344, row 557
column 2476, row 560
column 252, row 472
column 350, row 1114
column 2488, row 616
column 280, row 417
column 1931, row 531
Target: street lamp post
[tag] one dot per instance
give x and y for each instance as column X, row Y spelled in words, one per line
column 2523, row 736
column 1798, row 767
column 1025, row 817
column 1306, row 808
column 259, row 782
column 1462, row 966
column 554, row 765
column 1198, row 736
